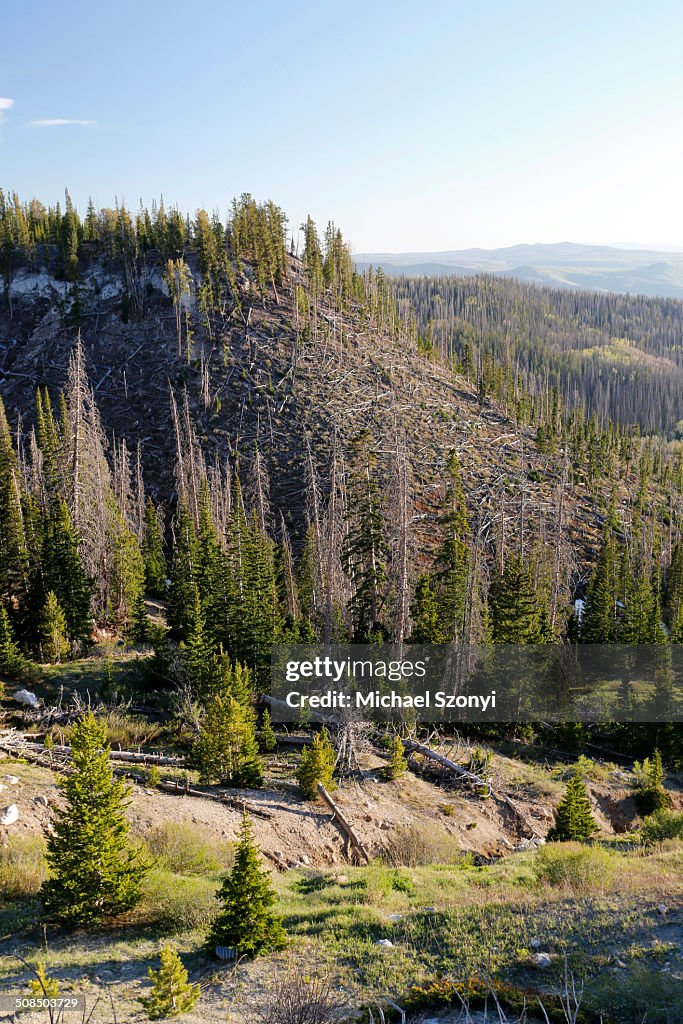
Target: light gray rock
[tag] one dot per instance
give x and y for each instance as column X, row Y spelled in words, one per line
column 27, row 698
column 9, row 815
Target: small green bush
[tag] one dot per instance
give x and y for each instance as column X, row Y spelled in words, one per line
column 662, row 825
column 175, row 903
column 416, row 847
column 188, row 849
column 646, row 995
column 23, row 867
column 124, row 731
column 574, row 866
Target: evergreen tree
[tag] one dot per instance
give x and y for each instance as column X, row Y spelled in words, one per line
column 13, row 553
column 94, row 872
column 397, row 765
column 52, row 631
column 599, row 621
column 316, row 765
column 127, row 571
column 226, row 750
column 366, row 545
column 574, row 819
column 247, row 922
column 61, row 570
column 426, row 613
column 172, row 993
column 266, row 737
column 514, row 606
column 651, row 795
column 183, row 589
column 452, row 561
column 153, row 552
column 43, row 986
column 197, row 652
column 11, row 660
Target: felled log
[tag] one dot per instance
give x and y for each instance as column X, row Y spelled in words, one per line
column 412, row 747
column 130, row 756
column 352, row 837
column 477, row 780
column 234, row 802
column 311, row 714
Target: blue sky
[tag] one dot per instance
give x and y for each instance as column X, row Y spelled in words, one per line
column 415, row 126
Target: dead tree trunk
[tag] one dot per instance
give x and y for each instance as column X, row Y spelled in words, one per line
column 352, row 838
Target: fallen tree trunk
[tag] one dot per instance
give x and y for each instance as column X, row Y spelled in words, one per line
column 130, row 756
column 311, row 715
column 411, row 746
column 230, row 801
column 352, row 837
column 293, row 741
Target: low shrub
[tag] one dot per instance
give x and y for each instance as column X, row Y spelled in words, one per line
column 188, row 849
column 645, row 995
column 574, row 866
column 23, row 867
column 412, row 847
column 662, row 825
column 124, row 731
column 175, row 903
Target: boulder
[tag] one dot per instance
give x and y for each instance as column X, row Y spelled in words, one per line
column 27, row 698
column 8, row 815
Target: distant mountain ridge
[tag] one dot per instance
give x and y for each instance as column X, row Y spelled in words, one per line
column 601, row 268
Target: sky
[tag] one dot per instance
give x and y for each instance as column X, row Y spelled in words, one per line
column 418, row 126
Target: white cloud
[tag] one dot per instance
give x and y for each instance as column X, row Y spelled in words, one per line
column 57, row 122
column 5, row 105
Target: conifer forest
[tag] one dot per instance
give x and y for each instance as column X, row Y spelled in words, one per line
column 217, row 436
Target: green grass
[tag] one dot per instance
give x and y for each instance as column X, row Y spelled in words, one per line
column 450, row 921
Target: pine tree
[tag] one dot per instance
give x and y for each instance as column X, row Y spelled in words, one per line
column 52, row 631
column 127, row 571
column 316, row 765
column 651, row 795
column 95, row 873
column 183, row 588
column 13, row 553
column 226, row 750
column 196, row 652
column 426, row 613
column 514, row 605
column 153, row 552
column 172, row 993
column 452, row 560
column 598, row 622
column 11, row 660
column 366, row 545
column 43, row 986
column 247, row 922
column 266, row 737
column 397, row 765
column 61, row 570
column 574, row 819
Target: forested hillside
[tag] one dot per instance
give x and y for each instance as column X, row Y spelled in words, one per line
column 300, row 457
column 617, row 357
